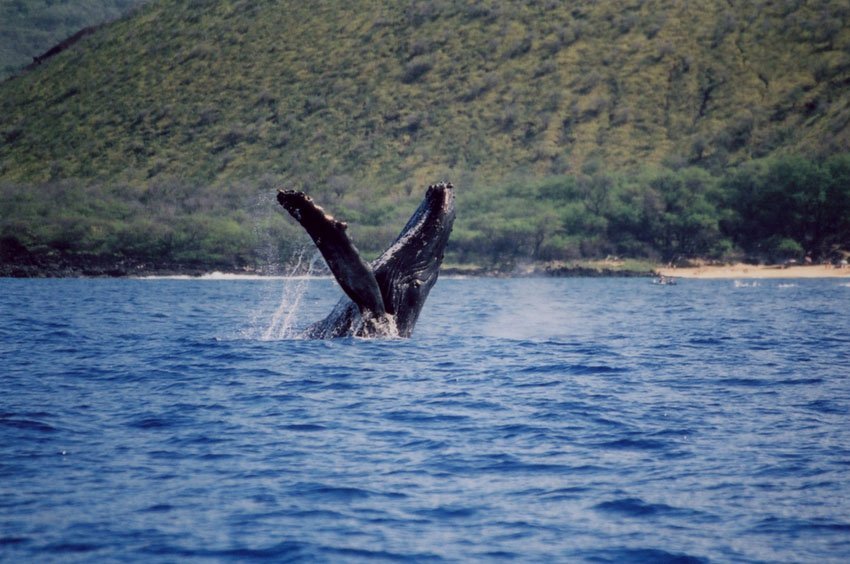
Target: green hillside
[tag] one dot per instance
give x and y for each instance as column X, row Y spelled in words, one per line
column 535, row 110
column 31, row 27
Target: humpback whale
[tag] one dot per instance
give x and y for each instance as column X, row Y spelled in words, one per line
column 382, row 298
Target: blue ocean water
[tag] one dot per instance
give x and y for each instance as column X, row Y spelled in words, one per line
column 575, row 420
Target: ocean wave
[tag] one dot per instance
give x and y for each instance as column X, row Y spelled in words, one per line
column 621, row 426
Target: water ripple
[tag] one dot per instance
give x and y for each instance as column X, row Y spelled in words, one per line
column 527, row 420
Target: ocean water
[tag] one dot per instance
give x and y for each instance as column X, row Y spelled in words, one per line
column 529, row 420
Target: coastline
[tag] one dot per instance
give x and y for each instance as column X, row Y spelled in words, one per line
column 590, row 269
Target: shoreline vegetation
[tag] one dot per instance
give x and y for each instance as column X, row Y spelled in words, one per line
column 774, row 211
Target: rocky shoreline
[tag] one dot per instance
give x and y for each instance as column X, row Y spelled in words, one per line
column 63, row 266
column 573, row 271
column 95, row 271
column 95, row 267
column 91, row 267
column 18, row 262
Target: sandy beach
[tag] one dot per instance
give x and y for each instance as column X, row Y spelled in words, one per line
column 754, row 271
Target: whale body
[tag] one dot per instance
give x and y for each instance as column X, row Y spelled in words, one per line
column 382, row 298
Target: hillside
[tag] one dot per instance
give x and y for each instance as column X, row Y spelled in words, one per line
column 363, row 103
column 31, row 27
column 215, row 89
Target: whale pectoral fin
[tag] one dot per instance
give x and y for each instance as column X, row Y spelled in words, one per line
column 354, row 275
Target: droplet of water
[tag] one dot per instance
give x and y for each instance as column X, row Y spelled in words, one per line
column 294, row 286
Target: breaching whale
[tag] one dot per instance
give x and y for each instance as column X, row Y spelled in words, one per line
column 383, row 298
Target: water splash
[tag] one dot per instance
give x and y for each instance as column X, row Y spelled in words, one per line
column 287, row 281
column 292, row 292
column 285, row 293
column 371, row 327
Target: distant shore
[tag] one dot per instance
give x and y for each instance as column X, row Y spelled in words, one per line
column 591, row 269
column 734, row 271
